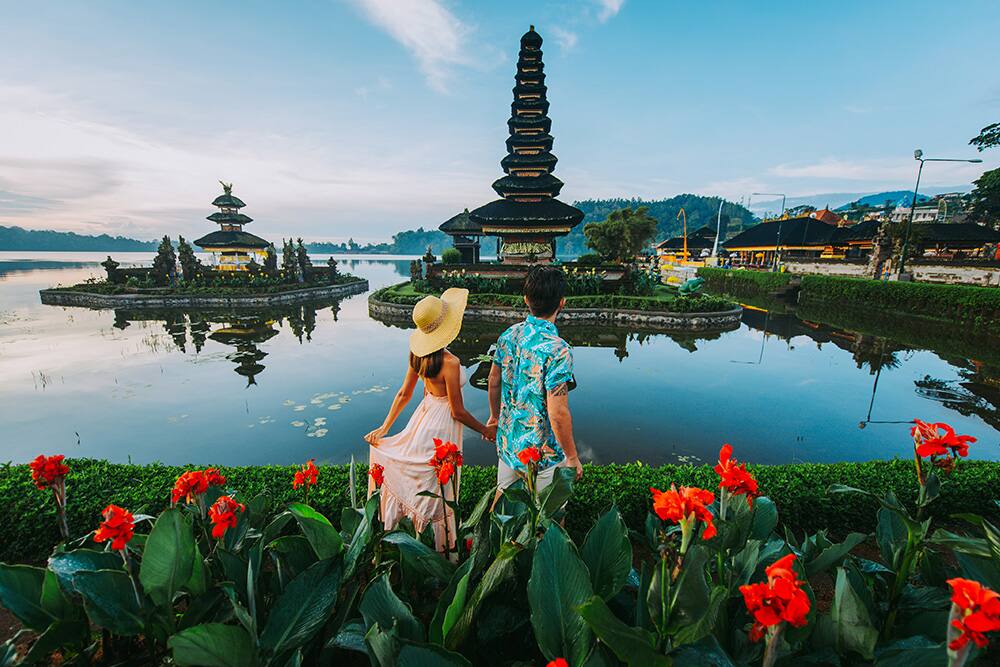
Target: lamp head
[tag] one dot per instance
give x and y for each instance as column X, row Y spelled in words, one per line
column 975, row 160
column 917, row 154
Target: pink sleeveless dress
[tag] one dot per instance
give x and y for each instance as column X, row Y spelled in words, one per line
column 406, row 456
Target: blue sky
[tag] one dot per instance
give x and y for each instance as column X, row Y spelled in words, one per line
column 340, row 118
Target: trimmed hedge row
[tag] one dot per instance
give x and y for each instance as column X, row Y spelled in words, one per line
column 740, row 282
column 107, row 288
column 28, row 525
column 659, row 303
column 978, row 306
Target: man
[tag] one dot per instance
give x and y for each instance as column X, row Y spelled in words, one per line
column 529, row 385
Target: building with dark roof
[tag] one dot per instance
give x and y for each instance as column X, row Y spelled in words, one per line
column 464, row 233
column 232, row 248
column 698, row 240
column 528, row 217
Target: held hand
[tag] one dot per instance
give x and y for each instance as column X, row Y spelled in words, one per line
column 490, row 434
column 373, row 437
column 574, row 463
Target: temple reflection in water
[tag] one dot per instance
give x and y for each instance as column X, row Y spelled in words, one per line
column 243, row 329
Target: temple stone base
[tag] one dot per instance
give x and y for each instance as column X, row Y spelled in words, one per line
column 663, row 321
column 57, row 297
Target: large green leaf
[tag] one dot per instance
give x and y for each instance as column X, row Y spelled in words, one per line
column 381, row 606
column 451, row 603
column 213, row 645
column 833, row 554
column 607, row 553
column 703, row 625
column 555, row 495
column 61, row 634
column 499, row 570
column 323, row 537
column 691, row 593
column 414, row 654
column 110, row 601
column 66, row 564
column 634, row 646
column 168, row 559
column 419, row 561
column 853, row 623
column 559, row 583
column 302, row 609
column 479, row 511
column 914, row 651
column 706, row 653
column 765, row 518
column 361, row 540
column 291, row 554
column 891, row 535
column 21, row 593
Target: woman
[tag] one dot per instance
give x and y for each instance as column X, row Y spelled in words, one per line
column 441, row 414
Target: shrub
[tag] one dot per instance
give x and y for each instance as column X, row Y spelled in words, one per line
column 451, row 256
column 589, row 259
column 741, row 282
column 977, row 306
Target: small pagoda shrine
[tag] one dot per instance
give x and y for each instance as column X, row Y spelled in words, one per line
column 528, row 218
column 232, row 248
column 464, row 233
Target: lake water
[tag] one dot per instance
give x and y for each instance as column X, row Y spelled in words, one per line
column 289, row 384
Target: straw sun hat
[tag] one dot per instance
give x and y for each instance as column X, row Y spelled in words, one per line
column 438, row 321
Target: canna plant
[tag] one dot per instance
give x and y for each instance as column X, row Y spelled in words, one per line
column 218, row 579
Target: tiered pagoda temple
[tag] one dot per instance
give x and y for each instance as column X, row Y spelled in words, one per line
column 232, row 248
column 464, row 235
column 528, row 218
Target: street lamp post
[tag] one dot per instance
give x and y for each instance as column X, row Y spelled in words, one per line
column 919, row 156
column 777, row 243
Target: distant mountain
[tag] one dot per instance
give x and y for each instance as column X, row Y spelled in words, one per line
column 412, row 242
column 839, row 200
column 16, row 238
column 882, row 198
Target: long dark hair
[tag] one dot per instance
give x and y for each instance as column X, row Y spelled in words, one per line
column 428, row 366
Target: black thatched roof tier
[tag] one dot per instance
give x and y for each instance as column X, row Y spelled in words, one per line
column 542, row 160
column 531, row 39
column 803, row 231
column 231, row 239
column 541, row 123
column 528, row 56
column 543, row 214
column 944, row 232
column 862, row 231
column 703, row 237
column 461, row 224
column 544, row 141
column 228, row 201
column 521, row 185
column 529, row 78
column 529, row 89
column 538, row 106
column 229, row 218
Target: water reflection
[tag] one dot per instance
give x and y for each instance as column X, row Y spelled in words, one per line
column 244, row 329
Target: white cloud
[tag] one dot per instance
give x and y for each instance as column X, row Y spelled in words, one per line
column 608, row 9
column 880, row 171
column 435, row 37
column 564, row 38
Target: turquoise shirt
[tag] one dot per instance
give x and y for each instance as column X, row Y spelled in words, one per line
column 533, row 360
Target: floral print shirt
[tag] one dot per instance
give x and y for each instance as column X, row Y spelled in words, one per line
column 533, row 360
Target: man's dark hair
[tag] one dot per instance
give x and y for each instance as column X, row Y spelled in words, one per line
column 544, row 287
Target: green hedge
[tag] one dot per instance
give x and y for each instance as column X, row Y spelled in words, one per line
column 103, row 287
column 28, row 526
column 740, row 282
column 977, row 306
column 403, row 294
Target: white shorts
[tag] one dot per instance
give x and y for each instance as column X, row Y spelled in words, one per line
column 507, row 476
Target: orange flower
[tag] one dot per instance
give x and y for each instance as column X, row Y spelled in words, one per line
column 308, row 475
column 190, row 486
column 939, row 439
column 214, row 477
column 444, row 472
column 684, row 507
column 447, row 459
column 975, row 611
column 558, row 662
column 46, row 471
column 223, row 515
column 118, row 526
column 529, row 455
column 735, row 478
column 377, row 473
column 780, row 599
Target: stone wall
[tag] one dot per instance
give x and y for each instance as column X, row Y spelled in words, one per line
column 985, row 274
column 719, row 321
column 57, row 297
column 847, row 269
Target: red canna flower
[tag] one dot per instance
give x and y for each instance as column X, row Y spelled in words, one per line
column 735, row 478
column 468, row 544
column 118, row 526
column 975, row 611
column 939, row 439
column 558, row 662
column 307, row 476
column 529, row 455
column 445, row 471
column 779, row 599
column 223, row 515
column 684, row 507
column 47, row 471
column 214, row 477
column 447, row 459
column 190, row 486
column 377, row 473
